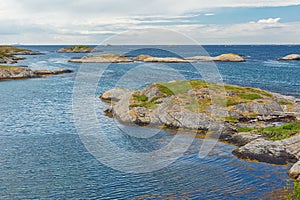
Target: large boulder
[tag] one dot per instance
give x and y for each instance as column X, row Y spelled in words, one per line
column 291, row 57
column 115, row 94
column 294, row 172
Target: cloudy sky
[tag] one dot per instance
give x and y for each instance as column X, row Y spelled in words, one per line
column 206, row 21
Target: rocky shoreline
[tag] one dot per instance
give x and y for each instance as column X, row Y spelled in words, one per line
column 24, row 72
column 245, row 120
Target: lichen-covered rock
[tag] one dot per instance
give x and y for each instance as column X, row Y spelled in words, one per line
column 291, row 57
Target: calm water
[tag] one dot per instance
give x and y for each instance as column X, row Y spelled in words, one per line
column 42, row 156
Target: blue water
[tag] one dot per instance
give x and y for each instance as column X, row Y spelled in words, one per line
column 42, row 156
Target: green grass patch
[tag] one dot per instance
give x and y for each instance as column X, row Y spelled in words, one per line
column 276, row 133
column 249, row 96
column 285, row 103
column 231, row 119
column 281, row 132
column 165, row 89
column 295, row 193
column 245, row 129
column 140, row 97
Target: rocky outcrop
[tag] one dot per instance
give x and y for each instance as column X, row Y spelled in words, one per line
column 11, row 72
column 290, row 57
column 274, row 152
column 7, row 54
column 103, row 58
column 23, row 72
column 221, row 58
column 115, row 94
column 148, row 58
column 10, row 50
column 44, row 72
column 187, row 105
column 9, row 59
column 77, row 49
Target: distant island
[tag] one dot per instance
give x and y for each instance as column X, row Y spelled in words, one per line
column 250, row 119
column 78, row 49
column 116, row 58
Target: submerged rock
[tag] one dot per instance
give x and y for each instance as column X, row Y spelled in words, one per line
column 291, row 57
column 103, row 58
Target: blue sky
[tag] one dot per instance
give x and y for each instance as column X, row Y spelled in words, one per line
column 207, row 22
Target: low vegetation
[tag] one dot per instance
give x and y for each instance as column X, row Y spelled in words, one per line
column 276, row 133
column 237, row 94
column 295, row 191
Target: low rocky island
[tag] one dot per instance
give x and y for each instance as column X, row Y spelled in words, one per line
column 78, row 49
column 103, row 58
column 116, row 58
column 290, row 57
column 262, row 124
column 7, row 54
column 230, row 57
column 24, row 72
column 148, row 58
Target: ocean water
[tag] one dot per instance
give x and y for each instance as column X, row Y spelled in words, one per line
column 42, row 155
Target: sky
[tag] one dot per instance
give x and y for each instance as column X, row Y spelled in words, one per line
column 203, row 21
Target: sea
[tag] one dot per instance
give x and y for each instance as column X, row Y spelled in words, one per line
column 43, row 154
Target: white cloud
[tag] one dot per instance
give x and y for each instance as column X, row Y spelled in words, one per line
column 65, row 21
column 269, row 21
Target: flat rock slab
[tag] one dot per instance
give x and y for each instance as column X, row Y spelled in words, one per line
column 274, row 152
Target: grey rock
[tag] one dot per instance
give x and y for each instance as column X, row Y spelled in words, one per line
column 241, row 139
column 275, row 152
column 115, row 94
